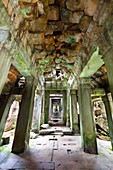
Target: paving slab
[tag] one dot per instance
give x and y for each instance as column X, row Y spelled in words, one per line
column 56, row 152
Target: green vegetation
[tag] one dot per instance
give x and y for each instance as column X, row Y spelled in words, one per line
column 58, row 60
column 2, row 148
column 25, row 12
column 22, row 64
column 44, row 61
column 71, row 40
column 70, row 66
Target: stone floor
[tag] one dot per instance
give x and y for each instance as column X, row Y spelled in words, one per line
column 57, row 152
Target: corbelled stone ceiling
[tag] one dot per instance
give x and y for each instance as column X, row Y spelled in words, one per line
column 56, row 38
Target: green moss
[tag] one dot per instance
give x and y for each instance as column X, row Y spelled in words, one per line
column 44, row 61
column 70, row 66
column 2, row 148
column 110, row 149
column 22, row 64
column 42, row 68
column 90, row 144
column 25, row 12
column 71, row 40
column 58, row 60
column 8, row 152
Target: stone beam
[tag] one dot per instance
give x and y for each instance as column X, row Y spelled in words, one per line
column 93, row 65
column 98, row 92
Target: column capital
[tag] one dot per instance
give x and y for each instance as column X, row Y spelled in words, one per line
column 29, row 79
column 85, row 81
column 73, row 92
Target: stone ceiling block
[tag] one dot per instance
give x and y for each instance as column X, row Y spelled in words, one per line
column 57, row 25
column 51, row 2
column 29, row 1
column 76, row 17
column 49, row 40
column 75, row 5
column 84, row 23
column 36, row 38
column 91, row 7
column 65, row 15
column 38, row 25
column 53, row 13
column 49, row 30
column 60, row 30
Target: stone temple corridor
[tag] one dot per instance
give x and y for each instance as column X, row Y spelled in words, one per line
column 56, row 84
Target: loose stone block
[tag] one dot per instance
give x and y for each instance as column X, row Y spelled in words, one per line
column 84, row 23
column 51, row 1
column 76, row 17
column 37, row 38
column 75, row 5
column 91, row 7
column 53, row 13
column 65, row 15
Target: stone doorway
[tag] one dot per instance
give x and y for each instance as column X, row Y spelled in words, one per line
column 56, row 110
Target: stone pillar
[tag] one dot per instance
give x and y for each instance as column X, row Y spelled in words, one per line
column 68, row 123
column 74, row 111
column 42, row 107
column 108, row 59
column 111, row 102
column 24, row 119
column 37, row 112
column 46, row 109
column 109, row 117
column 64, row 106
column 86, row 117
column 5, row 104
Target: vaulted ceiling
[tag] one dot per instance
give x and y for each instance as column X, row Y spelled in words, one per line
column 59, row 37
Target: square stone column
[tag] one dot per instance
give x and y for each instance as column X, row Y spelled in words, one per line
column 68, row 121
column 74, row 111
column 64, row 106
column 86, row 117
column 46, row 108
column 108, row 59
column 22, row 132
column 109, row 117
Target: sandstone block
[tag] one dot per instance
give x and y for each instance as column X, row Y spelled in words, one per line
column 37, row 38
column 65, row 15
column 53, row 14
column 29, row 1
column 75, row 5
column 91, row 7
column 51, row 1
column 84, row 23
column 76, row 17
